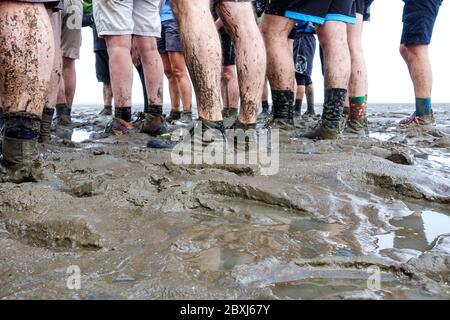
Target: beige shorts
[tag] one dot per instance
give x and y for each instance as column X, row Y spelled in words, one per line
column 71, row 19
column 128, row 17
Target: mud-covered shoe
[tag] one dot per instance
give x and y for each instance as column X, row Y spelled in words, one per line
column 415, row 121
column 155, row 125
column 46, row 124
column 20, row 160
column 229, row 115
column 356, row 127
column 332, row 123
column 119, row 127
column 283, row 111
column 2, row 120
column 173, row 116
column 243, row 136
column 185, row 119
column 324, row 130
column 107, row 111
column 63, row 115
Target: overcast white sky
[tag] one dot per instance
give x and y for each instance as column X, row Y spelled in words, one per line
column 388, row 75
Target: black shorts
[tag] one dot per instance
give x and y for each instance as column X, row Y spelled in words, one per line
column 228, row 49
column 363, row 8
column 304, row 51
column 419, row 17
column 316, row 11
column 102, row 66
column 303, row 80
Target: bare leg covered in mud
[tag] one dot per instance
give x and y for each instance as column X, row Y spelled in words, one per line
column 55, row 79
column 147, row 51
column 358, row 86
column 121, row 70
column 26, row 57
column 202, row 51
column 418, row 23
column 203, row 55
column 251, row 58
column 280, row 70
column 333, row 39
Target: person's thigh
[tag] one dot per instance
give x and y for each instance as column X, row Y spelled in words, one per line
column 72, row 16
column 419, row 17
column 114, row 17
column 146, row 18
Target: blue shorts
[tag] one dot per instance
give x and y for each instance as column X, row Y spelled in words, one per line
column 170, row 37
column 315, row 11
column 419, row 17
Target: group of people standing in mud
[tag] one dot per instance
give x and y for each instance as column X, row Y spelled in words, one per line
column 231, row 48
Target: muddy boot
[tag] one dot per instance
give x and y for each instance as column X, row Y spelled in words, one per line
column 155, row 123
column 356, row 117
column 415, row 121
column 63, row 117
column 298, row 108
column 201, row 135
column 20, row 148
column 283, row 111
column 265, row 111
column 2, row 120
column 332, row 123
column 107, row 111
column 310, row 112
column 243, row 135
column 185, row 119
column 46, row 124
column 229, row 115
column 121, row 124
column 173, row 116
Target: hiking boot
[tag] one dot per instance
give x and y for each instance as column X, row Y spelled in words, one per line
column 173, row 116
column 119, row 127
column 185, row 119
column 107, row 111
column 20, row 140
column 229, row 115
column 63, row 115
column 155, row 125
column 332, row 123
column 357, row 123
column 243, row 135
column 46, row 124
column 415, row 121
column 283, row 111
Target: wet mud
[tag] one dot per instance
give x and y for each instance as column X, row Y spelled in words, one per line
column 139, row 227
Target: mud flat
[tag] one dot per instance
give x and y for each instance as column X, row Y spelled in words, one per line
column 139, row 227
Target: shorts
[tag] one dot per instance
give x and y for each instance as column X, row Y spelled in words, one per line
column 71, row 24
column 102, row 66
column 303, row 80
column 315, row 11
column 228, row 49
column 304, row 51
column 419, row 17
column 170, row 37
column 363, row 8
column 128, row 17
